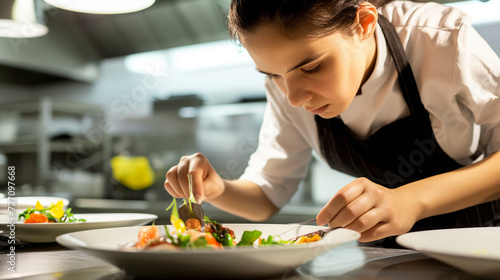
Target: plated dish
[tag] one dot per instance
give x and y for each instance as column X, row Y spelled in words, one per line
column 474, row 250
column 238, row 261
column 47, row 232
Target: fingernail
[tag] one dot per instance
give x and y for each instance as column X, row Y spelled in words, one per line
column 320, row 222
column 197, row 197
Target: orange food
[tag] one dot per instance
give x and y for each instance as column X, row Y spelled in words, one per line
column 193, row 223
column 211, row 241
column 35, row 218
column 309, row 238
column 146, row 234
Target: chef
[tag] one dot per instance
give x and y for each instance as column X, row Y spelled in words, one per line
column 404, row 96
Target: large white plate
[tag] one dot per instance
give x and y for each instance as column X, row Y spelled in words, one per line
column 474, row 250
column 47, row 232
column 240, row 262
column 19, row 204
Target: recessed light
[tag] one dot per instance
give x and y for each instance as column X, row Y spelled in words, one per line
column 101, row 6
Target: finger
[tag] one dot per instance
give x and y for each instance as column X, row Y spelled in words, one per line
column 171, row 184
column 366, row 221
column 197, row 170
column 182, row 177
column 197, row 182
column 354, row 210
column 378, row 231
column 343, row 197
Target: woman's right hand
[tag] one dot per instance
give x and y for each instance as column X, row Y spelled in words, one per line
column 207, row 184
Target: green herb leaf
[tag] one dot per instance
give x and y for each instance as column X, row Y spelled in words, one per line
column 272, row 240
column 249, row 237
column 169, row 236
column 199, row 242
column 183, row 239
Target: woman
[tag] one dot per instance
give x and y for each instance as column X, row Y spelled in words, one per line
column 404, row 96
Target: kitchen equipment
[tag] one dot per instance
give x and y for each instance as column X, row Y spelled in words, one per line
column 321, row 232
column 298, row 225
column 9, row 124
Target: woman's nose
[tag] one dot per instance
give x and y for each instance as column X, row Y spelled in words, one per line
column 296, row 93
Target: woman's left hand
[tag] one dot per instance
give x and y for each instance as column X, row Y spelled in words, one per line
column 370, row 209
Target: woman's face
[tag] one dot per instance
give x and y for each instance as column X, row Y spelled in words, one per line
column 321, row 75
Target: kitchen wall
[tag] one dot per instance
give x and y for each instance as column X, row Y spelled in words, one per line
column 221, row 123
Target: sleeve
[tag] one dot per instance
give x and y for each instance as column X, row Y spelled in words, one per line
column 477, row 81
column 280, row 162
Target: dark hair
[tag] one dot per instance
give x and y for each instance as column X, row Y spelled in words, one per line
column 294, row 18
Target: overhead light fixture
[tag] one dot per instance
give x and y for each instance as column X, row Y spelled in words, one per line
column 101, row 6
column 21, row 19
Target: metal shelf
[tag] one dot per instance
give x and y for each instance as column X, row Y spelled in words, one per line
column 31, row 147
column 40, row 142
column 55, row 106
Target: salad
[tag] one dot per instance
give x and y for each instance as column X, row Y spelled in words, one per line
column 53, row 214
column 213, row 235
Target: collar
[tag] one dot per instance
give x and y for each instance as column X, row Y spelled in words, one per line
column 377, row 77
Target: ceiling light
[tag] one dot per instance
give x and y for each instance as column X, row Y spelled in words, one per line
column 21, row 19
column 101, row 6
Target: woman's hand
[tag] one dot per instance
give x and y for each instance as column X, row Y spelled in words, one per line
column 370, row 209
column 207, row 184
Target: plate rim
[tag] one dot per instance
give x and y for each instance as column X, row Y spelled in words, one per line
column 401, row 240
column 35, row 225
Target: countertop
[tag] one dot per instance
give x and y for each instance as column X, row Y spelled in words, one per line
column 349, row 261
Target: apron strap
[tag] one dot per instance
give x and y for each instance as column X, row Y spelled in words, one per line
column 406, row 79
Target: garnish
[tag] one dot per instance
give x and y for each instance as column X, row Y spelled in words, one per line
column 53, row 214
column 176, row 221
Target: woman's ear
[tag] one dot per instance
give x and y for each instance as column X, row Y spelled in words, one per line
column 366, row 19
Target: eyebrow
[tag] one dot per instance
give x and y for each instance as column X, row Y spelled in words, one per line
column 302, row 63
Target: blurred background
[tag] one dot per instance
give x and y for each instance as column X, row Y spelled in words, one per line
column 98, row 108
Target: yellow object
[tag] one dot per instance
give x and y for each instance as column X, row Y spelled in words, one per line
column 38, row 206
column 57, row 212
column 133, row 172
column 178, row 224
column 176, row 221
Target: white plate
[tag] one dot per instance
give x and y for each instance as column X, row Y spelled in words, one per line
column 47, row 232
column 241, row 262
column 474, row 250
column 19, row 204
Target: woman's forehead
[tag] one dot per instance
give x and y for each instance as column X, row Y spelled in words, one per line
column 268, row 47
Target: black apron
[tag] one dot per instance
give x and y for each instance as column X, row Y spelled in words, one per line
column 401, row 152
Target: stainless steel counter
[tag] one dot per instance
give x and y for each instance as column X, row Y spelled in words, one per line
column 51, row 261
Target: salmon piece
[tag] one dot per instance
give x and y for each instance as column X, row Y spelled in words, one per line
column 35, row 218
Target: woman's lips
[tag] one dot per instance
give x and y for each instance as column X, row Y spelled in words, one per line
column 319, row 110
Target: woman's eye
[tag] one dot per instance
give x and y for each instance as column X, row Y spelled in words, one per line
column 312, row 70
column 273, row 76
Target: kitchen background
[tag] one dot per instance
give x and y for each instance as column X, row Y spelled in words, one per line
column 99, row 108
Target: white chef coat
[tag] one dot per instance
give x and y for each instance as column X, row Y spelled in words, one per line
column 458, row 76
